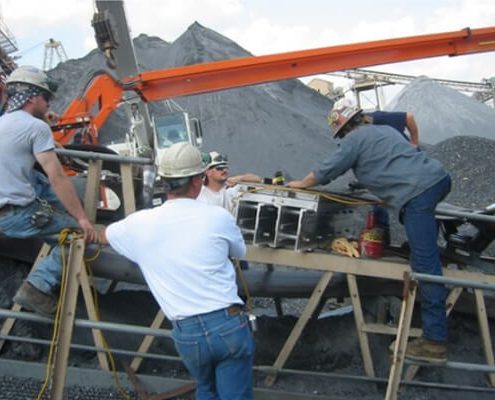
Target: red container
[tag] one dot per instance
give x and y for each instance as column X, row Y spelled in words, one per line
column 371, row 239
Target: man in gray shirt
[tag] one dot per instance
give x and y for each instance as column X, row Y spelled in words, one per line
column 411, row 183
column 28, row 205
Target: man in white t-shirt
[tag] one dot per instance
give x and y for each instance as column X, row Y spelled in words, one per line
column 218, row 188
column 183, row 249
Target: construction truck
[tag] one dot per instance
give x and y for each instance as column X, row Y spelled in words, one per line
column 148, row 135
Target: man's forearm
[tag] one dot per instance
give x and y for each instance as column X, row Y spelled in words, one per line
column 307, row 182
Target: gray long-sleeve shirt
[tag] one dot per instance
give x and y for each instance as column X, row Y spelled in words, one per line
column 384, row 163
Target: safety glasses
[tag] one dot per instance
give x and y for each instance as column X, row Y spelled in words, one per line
column 46, row 96
column 221, row 168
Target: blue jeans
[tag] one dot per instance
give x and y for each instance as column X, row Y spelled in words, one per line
column 422, row 234
column 217, row 349
column 17, row 224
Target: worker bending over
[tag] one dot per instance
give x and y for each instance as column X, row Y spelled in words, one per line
column 182, row 248
column 32, row 204
column 410, row 182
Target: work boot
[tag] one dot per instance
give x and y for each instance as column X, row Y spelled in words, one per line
column 422, row 349
column 35, row 300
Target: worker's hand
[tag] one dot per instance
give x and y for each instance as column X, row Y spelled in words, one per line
column 296, row 185
column 90, row 233
column 231, row 181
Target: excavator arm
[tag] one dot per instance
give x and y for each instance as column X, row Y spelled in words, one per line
column 90, row 111
column 220, row 75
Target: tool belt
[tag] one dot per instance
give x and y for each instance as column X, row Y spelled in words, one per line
column 7, row 208
column 43, row 215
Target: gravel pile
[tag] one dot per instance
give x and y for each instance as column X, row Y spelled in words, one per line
column 470, row 161
column 28, row 389
column 442, row 112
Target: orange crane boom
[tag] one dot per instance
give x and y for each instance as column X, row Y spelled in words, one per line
column 220, row 75
column 202, row 78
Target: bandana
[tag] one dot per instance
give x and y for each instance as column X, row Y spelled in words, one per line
column 19, row 98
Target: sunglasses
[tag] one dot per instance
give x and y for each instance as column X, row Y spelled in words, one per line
column 46, row 96
column 221, row 168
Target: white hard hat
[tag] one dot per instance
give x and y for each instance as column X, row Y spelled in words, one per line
column 216, row 159
column 30, row 75
column 181, row 160
column 341, row 114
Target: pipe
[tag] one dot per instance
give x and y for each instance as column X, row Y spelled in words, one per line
column 84, row 323
column 83, row 347
column 466, row 215
column 443, row 386
column 91, row 155
column 451, row 281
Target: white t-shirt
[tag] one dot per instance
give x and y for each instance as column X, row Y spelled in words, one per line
column 182, row 248
column 223, row 198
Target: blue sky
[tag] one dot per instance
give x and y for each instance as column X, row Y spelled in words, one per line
column 264, row 26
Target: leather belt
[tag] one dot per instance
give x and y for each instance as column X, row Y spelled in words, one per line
column 234, row 309
column 7, row 208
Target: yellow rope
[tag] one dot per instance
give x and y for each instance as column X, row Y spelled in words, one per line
column 65, row 236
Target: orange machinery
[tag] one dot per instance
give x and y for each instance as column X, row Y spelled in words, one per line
column 104, row 93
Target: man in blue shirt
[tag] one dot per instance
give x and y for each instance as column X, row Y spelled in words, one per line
column 411, row 183
column 400, row 121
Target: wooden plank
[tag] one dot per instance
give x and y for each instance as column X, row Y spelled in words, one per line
column 289, row 344
column 401, row 340
column 485, row 332
column 67, row 315
column 127, row 188
column 387, row 268
column 148, row 340
column 92, row 188
column 89, row 300
column 359, row 320
column 452, row 298
column 389, row 330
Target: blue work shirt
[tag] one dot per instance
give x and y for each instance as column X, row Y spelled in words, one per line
column 383, row 163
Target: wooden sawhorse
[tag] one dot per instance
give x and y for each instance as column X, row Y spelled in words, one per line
column 352, row 267
column 409, row 296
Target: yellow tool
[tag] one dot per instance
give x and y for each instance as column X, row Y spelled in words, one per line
column 345, row 247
